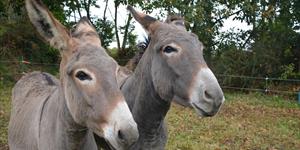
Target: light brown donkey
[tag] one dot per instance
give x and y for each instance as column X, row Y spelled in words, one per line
column 52, row 114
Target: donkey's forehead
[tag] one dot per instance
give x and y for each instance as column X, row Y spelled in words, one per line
column 92, row 55
column 168, row 33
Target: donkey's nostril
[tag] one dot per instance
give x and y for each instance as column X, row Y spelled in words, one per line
column 207, row 95
column 121, row 136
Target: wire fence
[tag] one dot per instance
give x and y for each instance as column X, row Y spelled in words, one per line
column 28, row 63
column 266, row 88
column 42, row 64
column 259, row 78
column 262, row 84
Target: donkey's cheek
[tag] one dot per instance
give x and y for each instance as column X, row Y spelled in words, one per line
column 162, row 87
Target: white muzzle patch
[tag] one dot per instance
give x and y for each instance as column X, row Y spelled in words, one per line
column 120, row 119
column 205, row 82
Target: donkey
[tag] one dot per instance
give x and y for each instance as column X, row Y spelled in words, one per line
column 171, row 68
column 52, row 114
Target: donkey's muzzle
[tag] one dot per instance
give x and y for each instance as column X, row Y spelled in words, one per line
column 121, row 130
column 128, row 136
column 207, row 96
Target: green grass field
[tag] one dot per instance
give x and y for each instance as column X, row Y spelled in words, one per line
column 246, row 121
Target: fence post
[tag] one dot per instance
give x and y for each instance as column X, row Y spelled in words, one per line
column 266, row 84
column 298, row 97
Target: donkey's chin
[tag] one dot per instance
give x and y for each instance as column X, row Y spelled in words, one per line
column 111, row 140
column 111, row 147
column 182, row 101
column 201, row 112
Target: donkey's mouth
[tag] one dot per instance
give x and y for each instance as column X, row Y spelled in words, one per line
column 181, row 101
column 106, row 143
column 103, row 142
column 200, row 111
column 110, row 145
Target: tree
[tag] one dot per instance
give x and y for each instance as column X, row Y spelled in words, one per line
column 105, row 30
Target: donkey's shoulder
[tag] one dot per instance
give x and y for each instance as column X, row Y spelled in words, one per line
column 35, row 84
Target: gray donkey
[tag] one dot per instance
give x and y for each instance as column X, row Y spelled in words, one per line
column 172, row 68
column 52, row 114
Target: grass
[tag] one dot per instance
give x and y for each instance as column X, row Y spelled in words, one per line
column 246, row 121
column 5, row 94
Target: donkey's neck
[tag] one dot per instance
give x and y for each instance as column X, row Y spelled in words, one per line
column 73, row 132
column 148, row 108
column 67, row 134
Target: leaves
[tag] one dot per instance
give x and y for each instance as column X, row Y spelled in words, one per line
column 105, row 31
column 271, row 43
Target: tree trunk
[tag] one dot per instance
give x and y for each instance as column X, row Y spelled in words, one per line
column 87, row 9
column 116, row 25
column 126, row 33
column 105, row 9
column 78, row 8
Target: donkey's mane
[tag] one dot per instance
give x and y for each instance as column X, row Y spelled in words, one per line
column 141, row 46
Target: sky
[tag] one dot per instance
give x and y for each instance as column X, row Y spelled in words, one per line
column 139, row 31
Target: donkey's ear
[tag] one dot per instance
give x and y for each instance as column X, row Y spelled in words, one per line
column 50, row 29
column 85, row 31
column 176, row 20
column 85, row 26
column 146, row 21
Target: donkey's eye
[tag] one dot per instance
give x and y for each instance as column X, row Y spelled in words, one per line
column 169, row 49
column 82, row 76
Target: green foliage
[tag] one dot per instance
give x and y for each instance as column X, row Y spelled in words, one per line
column 20, row 38
column 105, row 30
column 127, row 54
column 131, row 38
column 25, row 43
column 2, row 9
column 57, row 8
column 270, row 48
column 288, row 71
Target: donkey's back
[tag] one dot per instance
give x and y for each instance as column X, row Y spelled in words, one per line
column 32, row 87
column 29, row 95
